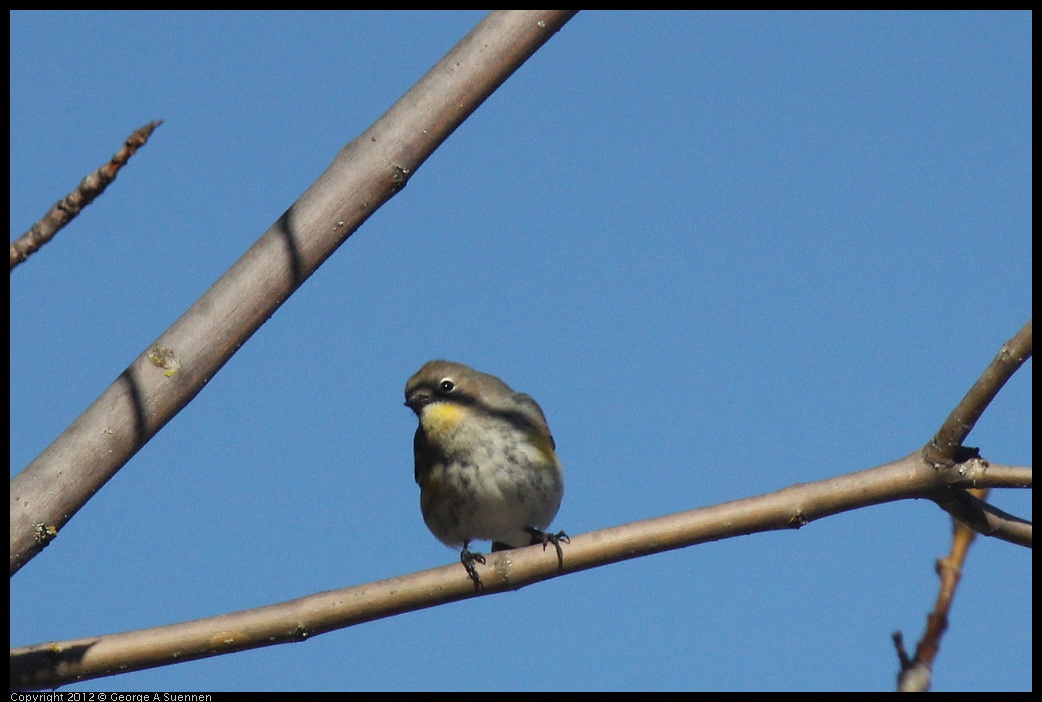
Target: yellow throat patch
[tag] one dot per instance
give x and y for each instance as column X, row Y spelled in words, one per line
column 442, row 417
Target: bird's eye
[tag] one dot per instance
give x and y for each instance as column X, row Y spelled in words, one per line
column 446, row 386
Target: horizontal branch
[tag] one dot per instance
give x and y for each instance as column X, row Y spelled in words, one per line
column 51, row 664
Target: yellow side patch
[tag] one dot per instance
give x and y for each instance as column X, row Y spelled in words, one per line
column 442, row 417
column 542, row 443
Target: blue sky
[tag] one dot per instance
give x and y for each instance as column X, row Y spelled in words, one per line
column 726, row 252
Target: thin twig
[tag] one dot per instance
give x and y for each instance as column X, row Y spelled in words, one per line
column 68, row 207
column 946, row 449
column 915, row 672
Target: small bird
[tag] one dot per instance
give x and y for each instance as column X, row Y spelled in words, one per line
column 485, row 462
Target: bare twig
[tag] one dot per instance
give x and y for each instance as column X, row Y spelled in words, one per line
column 946, row 448
column 66, row 209
column 984, row 518
column 916, row 672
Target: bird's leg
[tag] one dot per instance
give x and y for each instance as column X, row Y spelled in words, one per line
column 544, row 538
column 468, row 558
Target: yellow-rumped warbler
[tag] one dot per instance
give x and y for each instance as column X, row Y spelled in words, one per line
column 485, row 462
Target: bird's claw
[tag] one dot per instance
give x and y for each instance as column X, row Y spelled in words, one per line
column 544, row 538
column 468, row 558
